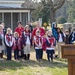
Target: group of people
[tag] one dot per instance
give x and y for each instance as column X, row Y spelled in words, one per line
column 24, row 37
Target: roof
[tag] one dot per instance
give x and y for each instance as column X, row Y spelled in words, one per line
column 11, row 1
column 11, row 8
column 14, row 8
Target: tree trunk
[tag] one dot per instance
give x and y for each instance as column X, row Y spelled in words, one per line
column 52, row 16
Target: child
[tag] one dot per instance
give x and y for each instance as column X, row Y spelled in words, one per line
column 16, row 45
column 26, row 37
column 50, row 43
column 9, row 43
column 1, row 43
column 38, row 45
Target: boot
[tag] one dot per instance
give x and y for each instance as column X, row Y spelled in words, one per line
column 2, row 54
column 28, row 56
column 24, row 56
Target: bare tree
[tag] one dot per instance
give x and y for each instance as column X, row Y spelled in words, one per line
column 53, row 6
column 28, row 4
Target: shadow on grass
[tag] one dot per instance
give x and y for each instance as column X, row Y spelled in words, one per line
column 14, row 65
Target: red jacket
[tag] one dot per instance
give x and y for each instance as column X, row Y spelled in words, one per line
column 42, row 31
column 17, row 44
column 19, row 30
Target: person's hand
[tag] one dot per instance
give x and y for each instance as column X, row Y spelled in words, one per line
column 39, row 46
column 52, row 46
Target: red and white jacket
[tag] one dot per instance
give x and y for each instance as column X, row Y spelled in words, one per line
column 50, row 43
column 9, row 40
column 38, row 41
column 17, row 43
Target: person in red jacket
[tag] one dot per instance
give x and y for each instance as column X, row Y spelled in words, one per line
column 42, row 33
column 38, row 27
column 19, row 29
column 16, row 45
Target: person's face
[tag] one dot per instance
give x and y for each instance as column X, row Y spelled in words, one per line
column 9, row 31
column 16, row 35
column 19, row 25
column 27, row 28
column 58, row 30
column 55, row 25
column 38, row 25
column 66, row 32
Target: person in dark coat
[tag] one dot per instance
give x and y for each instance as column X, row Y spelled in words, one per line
column 72, row 36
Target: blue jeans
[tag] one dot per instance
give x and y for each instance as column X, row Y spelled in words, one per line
column 38, row 53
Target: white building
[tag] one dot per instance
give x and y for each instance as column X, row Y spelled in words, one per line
column 11, row 12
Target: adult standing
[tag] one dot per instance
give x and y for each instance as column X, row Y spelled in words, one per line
column 38, row 27
column 4, row 30
column 42, row 33
column 20, row 29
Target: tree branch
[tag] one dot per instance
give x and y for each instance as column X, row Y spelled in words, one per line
column 59, row 5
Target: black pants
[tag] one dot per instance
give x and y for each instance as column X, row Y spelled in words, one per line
column 41, row 54
column 49, row 56
column 9, row 53
column 16, row 54
column 38, row 53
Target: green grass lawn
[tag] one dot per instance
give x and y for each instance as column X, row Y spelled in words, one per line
column 32, row 67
